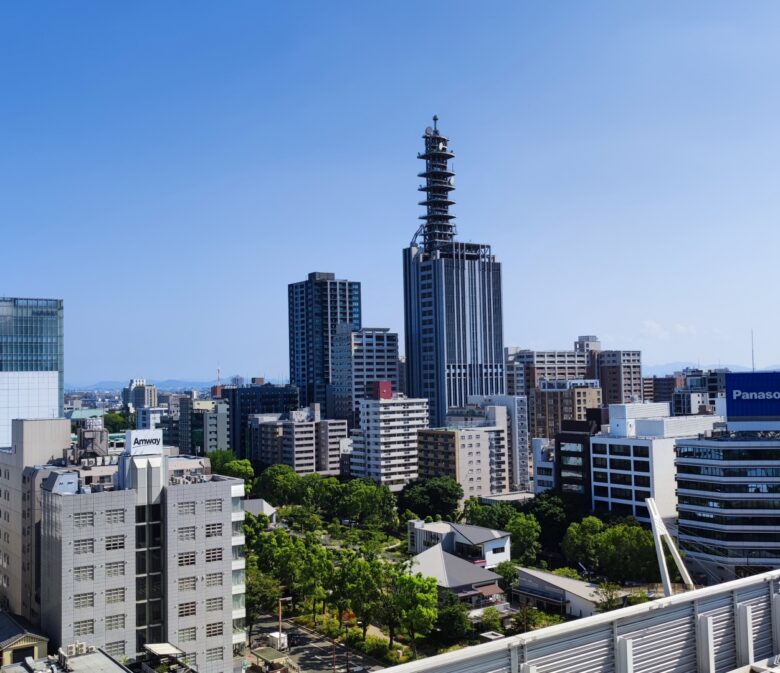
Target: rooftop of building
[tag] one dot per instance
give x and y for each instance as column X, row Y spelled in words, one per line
column 449, row 570
column 92, row 660
column 474, row 534
column 13, row 627
column 511, row 496
column 580, row 588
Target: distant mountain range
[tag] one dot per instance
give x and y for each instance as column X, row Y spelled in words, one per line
column 185, row 384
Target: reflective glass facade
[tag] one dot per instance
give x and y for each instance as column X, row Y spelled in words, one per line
column 31, row 361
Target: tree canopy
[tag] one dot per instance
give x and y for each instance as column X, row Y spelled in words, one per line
column 439, row 496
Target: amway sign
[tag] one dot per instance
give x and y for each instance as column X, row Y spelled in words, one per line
column 753, row 396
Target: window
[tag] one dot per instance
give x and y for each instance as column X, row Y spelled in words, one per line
column 115, row 595
column 214, row 629
column 186, row 508
column 115, row 542
column 239, row 577
column 213, row 604
column 187, row 558
column 214, row 554
column 86, row 546
column 84, row 574
column 114, row 622
column 188, row 634
column 84, row 600
column 187, row 533
column 83, row 519
column 115, row 649
column 213, row 529
column 115, row 516
column 187, row 609
column 85, row 627
column 115, row 569
column 214, row 505
column 215, row 654
column 498, row 550
column 214, row 580
column 188, row 583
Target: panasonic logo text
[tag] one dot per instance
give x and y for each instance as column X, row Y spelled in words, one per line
column 762, row 395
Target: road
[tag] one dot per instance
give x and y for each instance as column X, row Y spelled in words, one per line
column 312, row 652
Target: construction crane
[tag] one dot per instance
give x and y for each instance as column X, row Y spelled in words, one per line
column 661, row 535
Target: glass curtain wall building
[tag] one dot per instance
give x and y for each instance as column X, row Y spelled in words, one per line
column 31, row 361
column 452, row 299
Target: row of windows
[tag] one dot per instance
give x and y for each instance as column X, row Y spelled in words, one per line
column 734, row 472
column 86, row 627
column 188, row 532
column 621, row 450
column 709, row 453
column 85, row 519
column 87, row 600
column 729, row 503
column 188, row 558
column 718, row 487
column 211, row 505
column 728, row 520
column 87, row 545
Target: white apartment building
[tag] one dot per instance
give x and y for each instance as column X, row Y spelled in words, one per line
column 360, row 358
column 134, row 548
column 634, row 459
column 384, row 448
column 544, row 464
column 517, row 434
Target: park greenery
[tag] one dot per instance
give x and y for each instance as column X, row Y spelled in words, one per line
column 340, row 555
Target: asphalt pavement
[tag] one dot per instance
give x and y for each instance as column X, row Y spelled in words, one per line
column 312, row 652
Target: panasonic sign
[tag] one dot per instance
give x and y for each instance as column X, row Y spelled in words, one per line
column 753, row 396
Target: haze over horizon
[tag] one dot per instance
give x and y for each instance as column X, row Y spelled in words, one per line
column 168, row 173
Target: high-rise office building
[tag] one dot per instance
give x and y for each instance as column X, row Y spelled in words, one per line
column 526, row 369
column 620, row 374
column 452, row 299
column 257, row 398
column 359, row 359
column 204, row 426
column 31, row 361
column 316, row 307
column 123, row 549
column 384, row 448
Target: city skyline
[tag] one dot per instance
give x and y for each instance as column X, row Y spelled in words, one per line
column 619, row 152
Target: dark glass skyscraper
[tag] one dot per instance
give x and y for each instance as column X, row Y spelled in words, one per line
column 452, row 299
column 31, row 361
column 316, row 307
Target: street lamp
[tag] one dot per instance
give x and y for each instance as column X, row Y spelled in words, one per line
column 280, row 601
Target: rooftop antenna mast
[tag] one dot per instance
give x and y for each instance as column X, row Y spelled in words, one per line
column 752, row 351
column 218, row 379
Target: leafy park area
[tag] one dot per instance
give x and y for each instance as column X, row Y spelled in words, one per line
column 340, row 555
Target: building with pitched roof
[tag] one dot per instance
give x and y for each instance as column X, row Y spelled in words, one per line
column 480, row 546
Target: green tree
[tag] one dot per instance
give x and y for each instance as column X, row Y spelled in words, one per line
column 240, row 469
column 550, row 512
column 580, row 542
column 525, row 531
column 118, row 421
column 262, row 592
column 627, row 552
column 432, row 497
column 417, row 599
column 363, row 589
column 526, row 619
column 219, row 459
column 490, row 516
column 388, row 607
column 491, row 620
column 508, row 572
column 453, row 620
column 608, row 595
column 279, row 485
column 571, row 573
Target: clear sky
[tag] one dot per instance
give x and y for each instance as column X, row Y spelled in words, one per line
column 169, row 167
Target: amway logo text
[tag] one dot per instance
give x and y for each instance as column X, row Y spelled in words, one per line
column 145, row 442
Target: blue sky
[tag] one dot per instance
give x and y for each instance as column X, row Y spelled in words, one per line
column 167, row 169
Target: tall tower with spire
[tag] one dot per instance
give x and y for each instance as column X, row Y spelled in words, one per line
column 452, row 298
